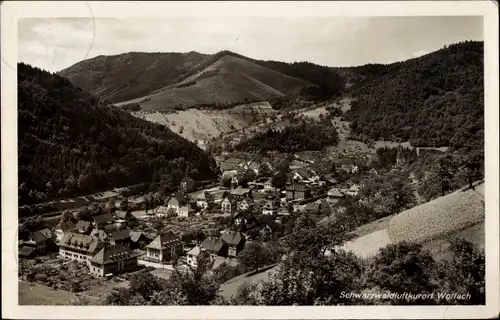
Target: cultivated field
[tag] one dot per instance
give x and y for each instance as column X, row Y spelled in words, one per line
column 202, row 125
column 438, row 217
column 198, row 125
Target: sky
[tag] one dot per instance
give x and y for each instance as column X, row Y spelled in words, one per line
column 57, row 43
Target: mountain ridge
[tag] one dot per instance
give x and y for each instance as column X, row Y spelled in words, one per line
column 126, row 80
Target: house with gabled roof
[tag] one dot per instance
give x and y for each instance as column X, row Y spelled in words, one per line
column 204, row 199
column 241, row 193
column 227, row 175
column 174, row 204
column 186, row 211
column 63, row 227
column 161, row 211
column 230, row 164
column 41, row 239
column 351, row 191
column 228, row 204
column 297, row 191
column 164, row 247
column 235, row 242
column 80, row 247
column 121, row 215
column 246, row 204
column 271, row 207
column 138, row 239
column 176, row 201
column 101, row 220
column 27, row 249
column 113, row 259
column 214, row 247
column 245, row 218
column 334, row 195
column 192, row 256
column 252, row 165
column 304, row 175
column 313, row 207
column 120, row 237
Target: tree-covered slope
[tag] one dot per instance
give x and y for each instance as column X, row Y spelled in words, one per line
column 434, row 100
column 70, row 144
column 131, row 75
column 293, row 138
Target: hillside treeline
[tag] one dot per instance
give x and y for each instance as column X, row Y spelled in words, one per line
column 70, row 144
column 435, row 100
column 326, row 81
column 293, row 138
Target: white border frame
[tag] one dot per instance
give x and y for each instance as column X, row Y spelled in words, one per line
column 11, row 11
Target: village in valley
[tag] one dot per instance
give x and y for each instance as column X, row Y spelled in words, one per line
column 119, row 232
column 166, row 178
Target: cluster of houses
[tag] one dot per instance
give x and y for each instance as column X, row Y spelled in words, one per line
column 228, row 245
column 108, row 248
column 100, row 243
column 304, row 186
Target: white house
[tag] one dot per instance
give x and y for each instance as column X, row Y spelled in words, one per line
column 161, row 211
column 245, row 204
column 173, row 204
column 192, row 256
column 80, row 247
column 204, row 199
column 270, row 208
column 334, row 195
column 185, row 211
column 228, row 205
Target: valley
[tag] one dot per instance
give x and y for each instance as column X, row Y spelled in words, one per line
column 241, row 166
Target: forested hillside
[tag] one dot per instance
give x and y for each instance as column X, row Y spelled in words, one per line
column 293, row 138
column 70, row 144
column 326, row 81
column 131, row 75
column 434, row 100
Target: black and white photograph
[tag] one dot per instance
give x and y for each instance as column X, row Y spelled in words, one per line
column 260, row 159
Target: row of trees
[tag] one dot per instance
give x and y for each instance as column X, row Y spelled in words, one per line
column 448, row 172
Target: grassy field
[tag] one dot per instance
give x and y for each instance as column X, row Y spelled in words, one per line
column 374, row 226
column 369, row 245
column 37, row 294
column 162, row 273
column 198, row 125
column 230, row 288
